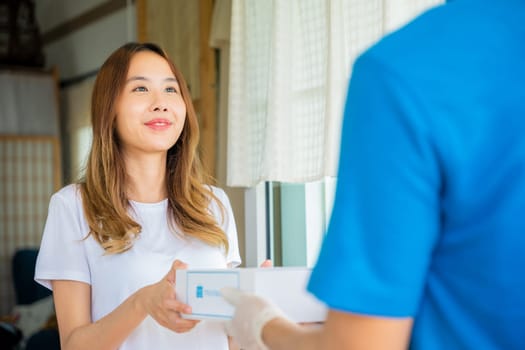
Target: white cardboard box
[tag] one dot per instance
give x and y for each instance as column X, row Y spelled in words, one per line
column 284, row 286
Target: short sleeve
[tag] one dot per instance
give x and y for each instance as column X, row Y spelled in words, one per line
column 385, row 218
column 233, row 258
column 62, row 253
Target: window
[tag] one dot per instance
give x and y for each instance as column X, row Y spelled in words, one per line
column 286, row 222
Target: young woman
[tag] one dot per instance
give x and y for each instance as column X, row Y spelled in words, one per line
column 113, row 241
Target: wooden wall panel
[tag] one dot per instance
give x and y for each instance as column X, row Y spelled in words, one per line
column 182, row 28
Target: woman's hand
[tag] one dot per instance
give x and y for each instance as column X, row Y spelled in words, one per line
column 160, row 302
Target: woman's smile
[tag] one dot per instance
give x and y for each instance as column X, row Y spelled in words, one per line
column 159, row 124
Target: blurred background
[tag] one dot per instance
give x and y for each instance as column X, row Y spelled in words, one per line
column 268, row 80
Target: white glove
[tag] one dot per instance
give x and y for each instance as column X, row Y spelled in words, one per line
column 251, row 315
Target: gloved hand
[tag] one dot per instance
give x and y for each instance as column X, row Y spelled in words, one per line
column 251, row 315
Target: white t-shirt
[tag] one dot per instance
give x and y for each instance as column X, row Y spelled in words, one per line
column 65, row 254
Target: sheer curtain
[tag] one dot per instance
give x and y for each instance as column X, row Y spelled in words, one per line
column 28, row 104
column 290, row 62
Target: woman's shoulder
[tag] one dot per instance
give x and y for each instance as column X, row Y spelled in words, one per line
column 221, row 197
column 69, row 193
column 217, row 191
column 220, row 194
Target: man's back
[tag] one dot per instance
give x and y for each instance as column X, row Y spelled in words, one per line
column 431, row 212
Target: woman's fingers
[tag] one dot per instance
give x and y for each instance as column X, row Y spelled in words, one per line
column 184, row 325
column 168, row 309
column 177, row 265
column 267, row 263
column 174, row 321
column 177, row 306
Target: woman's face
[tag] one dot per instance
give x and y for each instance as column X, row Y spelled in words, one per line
column 150, row 109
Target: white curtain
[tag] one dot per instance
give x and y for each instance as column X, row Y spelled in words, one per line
column 28, row 104
column 290, row 62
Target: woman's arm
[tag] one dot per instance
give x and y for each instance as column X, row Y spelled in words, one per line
column 73, row 308
column 77, row 331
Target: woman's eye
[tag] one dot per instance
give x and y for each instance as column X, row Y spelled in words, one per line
column 171, row 89
column 140, row 89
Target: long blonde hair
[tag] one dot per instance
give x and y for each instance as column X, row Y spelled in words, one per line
column 103, row 187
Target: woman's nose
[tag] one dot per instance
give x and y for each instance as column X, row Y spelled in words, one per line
column 160, row 108
column 159, row 104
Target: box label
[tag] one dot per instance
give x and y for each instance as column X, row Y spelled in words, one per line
column 203, row 291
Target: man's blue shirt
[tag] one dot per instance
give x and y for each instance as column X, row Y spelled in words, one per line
column 429, row 215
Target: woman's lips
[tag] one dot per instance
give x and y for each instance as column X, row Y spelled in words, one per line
column 158, row 124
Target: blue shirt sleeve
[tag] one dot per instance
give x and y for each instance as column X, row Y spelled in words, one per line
column 386, row 215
